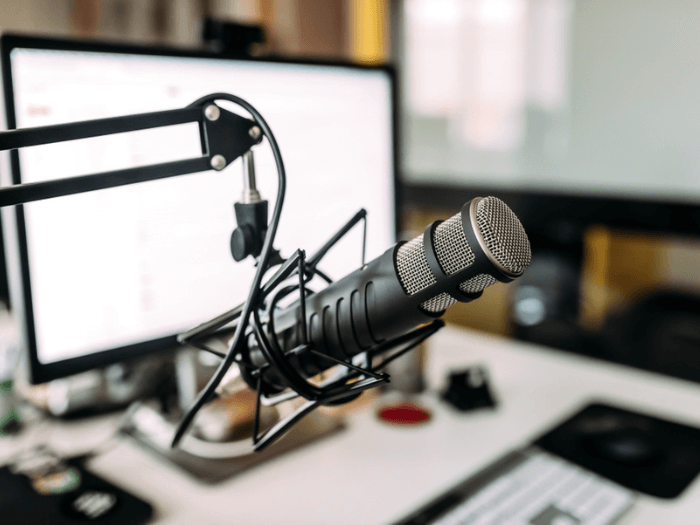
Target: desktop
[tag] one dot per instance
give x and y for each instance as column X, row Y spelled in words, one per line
column 391, row 470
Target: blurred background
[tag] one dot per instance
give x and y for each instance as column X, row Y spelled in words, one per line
column 582, row 115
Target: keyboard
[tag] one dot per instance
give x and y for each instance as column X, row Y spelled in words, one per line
column 529, row 487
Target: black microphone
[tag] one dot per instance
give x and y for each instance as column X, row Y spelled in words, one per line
column 407, row 286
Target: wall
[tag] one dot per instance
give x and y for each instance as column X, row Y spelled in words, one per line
column 338, row 29
column 148, row 21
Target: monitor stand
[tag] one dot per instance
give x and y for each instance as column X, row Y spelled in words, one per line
column 219, row 445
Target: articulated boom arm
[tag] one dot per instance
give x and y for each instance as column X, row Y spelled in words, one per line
column 224, row 137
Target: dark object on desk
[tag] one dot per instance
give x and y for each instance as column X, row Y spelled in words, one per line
column 230, row 38
column 628, row 446
column 68, row 496
column 640, row 452
column 544, row 306
column 469, row 390
column 661, row 332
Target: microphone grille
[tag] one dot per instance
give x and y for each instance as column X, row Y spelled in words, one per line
column 412, row 267
column 444, row 300
column 477, row 283
column 451, row 246
column 504, row 235
column 438, row 303
column 504, row 239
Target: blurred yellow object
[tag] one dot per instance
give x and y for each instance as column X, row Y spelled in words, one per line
column 594, row 285
column 618, row 267
column 369, row 31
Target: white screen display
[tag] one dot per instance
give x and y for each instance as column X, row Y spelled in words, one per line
column 595, row 99
column 126, row 265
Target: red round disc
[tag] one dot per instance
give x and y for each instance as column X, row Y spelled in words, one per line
column 404, row 414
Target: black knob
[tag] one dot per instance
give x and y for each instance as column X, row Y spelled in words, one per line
column 243, row 242
column 469, row 389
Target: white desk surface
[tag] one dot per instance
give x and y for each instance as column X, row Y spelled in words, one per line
column 373, row 473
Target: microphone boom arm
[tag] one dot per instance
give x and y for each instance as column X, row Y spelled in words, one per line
column 224, row 137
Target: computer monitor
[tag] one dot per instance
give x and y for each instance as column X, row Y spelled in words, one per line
column 583, row 117
column 105, row 276
column 556, row 97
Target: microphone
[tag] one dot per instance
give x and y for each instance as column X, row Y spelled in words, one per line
column 409, row 285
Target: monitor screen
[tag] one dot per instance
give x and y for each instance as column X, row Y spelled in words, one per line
column 596, row 99
column 114, row 273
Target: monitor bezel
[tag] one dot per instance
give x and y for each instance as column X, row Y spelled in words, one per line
column 39, row 372
column 543, row 212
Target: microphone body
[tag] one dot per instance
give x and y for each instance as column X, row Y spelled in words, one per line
column 408, row 285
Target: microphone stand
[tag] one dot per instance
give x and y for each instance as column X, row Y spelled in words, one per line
column 224, row 137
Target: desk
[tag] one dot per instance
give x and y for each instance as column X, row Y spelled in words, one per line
column 373, row 473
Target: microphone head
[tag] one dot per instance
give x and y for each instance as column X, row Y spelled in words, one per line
column 504, row 238
column 499, row 235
